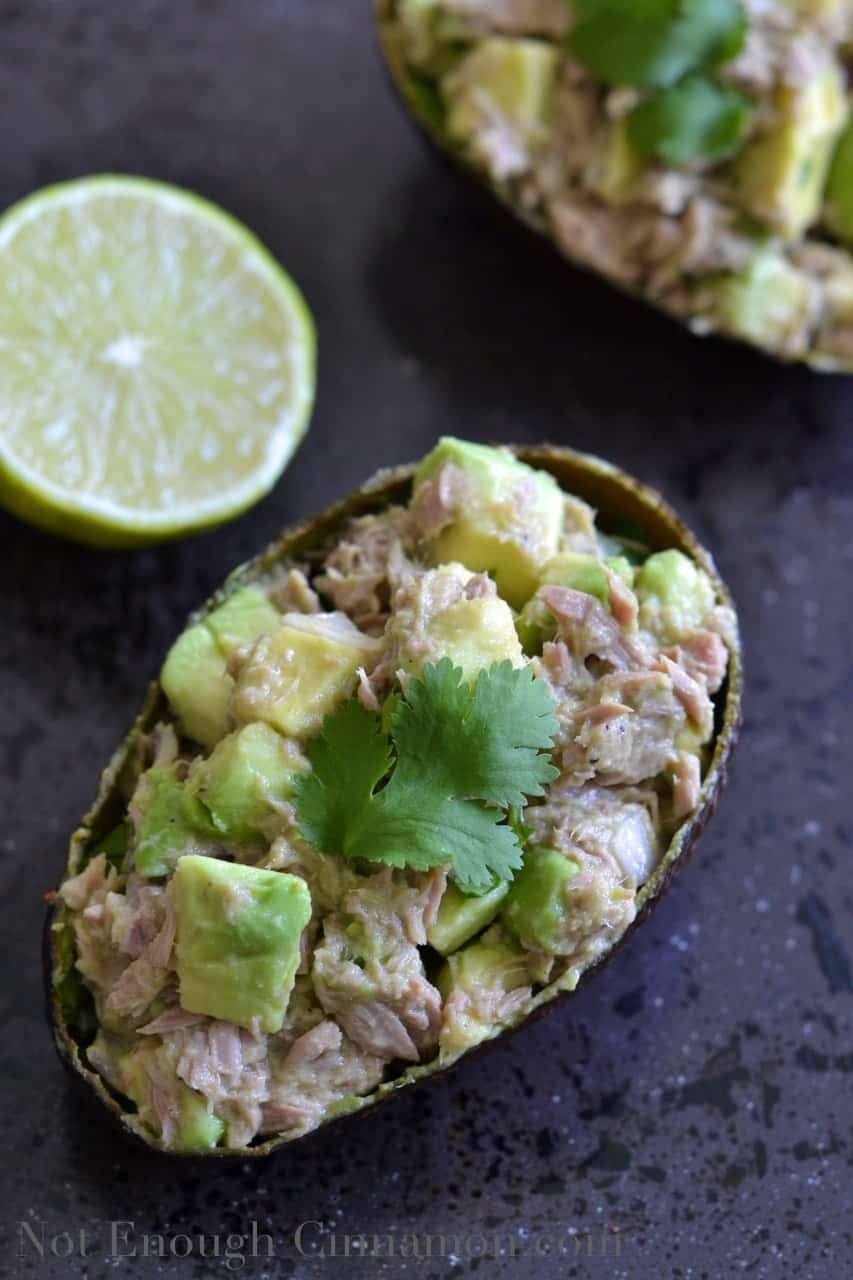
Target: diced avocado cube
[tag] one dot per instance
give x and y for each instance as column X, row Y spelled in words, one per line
column 197, row 1129
column 619, row 167
column 506, row 520
column 674, row 593
column 839, row 189
column 476, row 633
column 238, row 933
column 580, row 572
column 780, row 175
column 768, row 303
column 170, row 822
column 195, row 678
column 537, row 906
column 508, row 77
column 472, row 983
column 436, row 623
column 245, row 615
column 460, row 916
column 246, row 774
column 298, row 674
column 197, row 685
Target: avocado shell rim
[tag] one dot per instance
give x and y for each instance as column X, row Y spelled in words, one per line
column 617, row 496
column 406, row 89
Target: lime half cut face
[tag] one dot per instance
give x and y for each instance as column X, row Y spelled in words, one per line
column 157, row 365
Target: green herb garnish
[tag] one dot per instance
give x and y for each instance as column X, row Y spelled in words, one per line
column 698, row 119
column 436, row 789
column 650, row 44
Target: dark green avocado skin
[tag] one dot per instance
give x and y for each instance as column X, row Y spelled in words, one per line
column 623, row 504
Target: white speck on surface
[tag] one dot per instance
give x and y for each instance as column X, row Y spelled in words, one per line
column 126, row 352
column 56, row 431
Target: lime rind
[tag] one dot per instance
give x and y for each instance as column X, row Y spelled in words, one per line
column 96, row 517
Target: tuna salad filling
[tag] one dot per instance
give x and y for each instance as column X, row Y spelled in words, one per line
column 402, row 788
column 698, row 154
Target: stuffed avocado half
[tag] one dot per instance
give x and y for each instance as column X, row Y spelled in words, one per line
column 408, row 777
column 699, row 155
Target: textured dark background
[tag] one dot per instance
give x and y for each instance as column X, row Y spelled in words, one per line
column 696, row 1097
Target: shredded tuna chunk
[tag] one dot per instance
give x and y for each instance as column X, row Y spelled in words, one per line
column 606, row 823
column 686, row 784
column 437, row 500
column 366, row 565
column 227, row 1066
column 144, row 977
column 293, row 593
column 589, row 630
column 321, row 1069
column 90, row 885
column 691, row 695
column 703, row 656
column 623, row 731
column 370, row 976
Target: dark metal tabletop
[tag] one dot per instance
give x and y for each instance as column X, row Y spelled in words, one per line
column 689, row 1114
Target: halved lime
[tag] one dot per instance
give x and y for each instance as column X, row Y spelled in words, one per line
column 157, row 365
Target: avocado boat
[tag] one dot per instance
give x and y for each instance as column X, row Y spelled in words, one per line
column 407, row 779
column 700, row 158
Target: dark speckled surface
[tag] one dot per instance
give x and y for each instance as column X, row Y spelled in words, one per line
column 690, row 1115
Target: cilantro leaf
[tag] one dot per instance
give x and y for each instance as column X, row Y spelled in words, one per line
column 414, row 827
column 484, row 742
column 698, row 119
column 651, row 44
column 348, row 759
column 463, row 756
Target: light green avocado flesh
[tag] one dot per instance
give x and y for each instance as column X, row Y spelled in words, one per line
column 839, row 191
column 675, row 596
column 536, row 908
column 461, row 916
column 515, row 77
column 507, row 520
column 172, row 823
column 243, row 778
column 238, row 931
column 198, row 1129
column 195, row 678
column 489, row 964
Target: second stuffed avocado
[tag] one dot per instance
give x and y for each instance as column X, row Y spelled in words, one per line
column 415, row 772
column 699, row 155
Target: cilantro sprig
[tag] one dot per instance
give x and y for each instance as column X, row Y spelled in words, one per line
column 698, row 119
column 437, row 788
column 651, row 44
